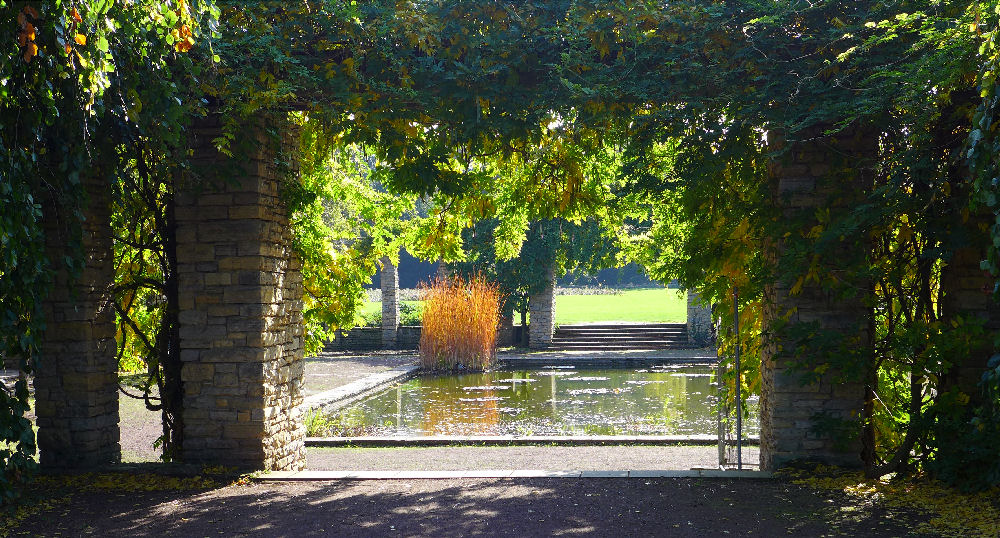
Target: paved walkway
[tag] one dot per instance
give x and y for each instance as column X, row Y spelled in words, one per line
column 515, row 507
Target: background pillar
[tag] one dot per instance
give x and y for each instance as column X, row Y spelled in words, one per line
column 699, row 320
column 389, row 277
column 505, row 329
column 76, row 377
column 240, row 308
column 542, row 312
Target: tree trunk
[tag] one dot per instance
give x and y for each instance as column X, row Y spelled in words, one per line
column 171, row 387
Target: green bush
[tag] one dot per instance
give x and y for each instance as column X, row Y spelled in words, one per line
column 967, row 454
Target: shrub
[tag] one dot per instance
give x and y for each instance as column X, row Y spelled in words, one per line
column 459, row 321
column 409, row 314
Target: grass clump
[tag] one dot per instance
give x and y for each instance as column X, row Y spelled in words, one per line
column 460, row 319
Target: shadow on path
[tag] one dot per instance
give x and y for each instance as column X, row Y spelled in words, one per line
column 495, row 507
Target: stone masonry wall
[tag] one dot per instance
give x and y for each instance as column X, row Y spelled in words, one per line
column 699, row 320
column 240, row 310
column 967, row 292
column 789, row 409
column 76, row 381
column 390, row 303
column 542, row 312
column 370, row 338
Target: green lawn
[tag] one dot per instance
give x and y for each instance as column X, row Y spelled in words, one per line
column 645, row 305
column 642, row 305
column 371, row 308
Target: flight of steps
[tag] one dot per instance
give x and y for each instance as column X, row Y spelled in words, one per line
column 616, row 337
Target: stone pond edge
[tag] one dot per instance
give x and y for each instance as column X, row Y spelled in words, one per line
column 309, row 476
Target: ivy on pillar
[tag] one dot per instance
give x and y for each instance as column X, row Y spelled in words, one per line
column 967, row 293
column 810, row 411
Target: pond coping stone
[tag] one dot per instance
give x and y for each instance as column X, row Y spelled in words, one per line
column 315, row 476
column 351, row 392
column 509, row 440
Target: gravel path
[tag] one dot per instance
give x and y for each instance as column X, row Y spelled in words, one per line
column 547, row 458
column 476, row 507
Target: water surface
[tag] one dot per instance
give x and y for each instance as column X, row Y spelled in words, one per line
column 659, row 400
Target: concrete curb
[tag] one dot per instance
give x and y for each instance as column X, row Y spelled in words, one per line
column 351, row 392
column 601, row 360
column 320, row 476
column 598, row 362
column 578, row 440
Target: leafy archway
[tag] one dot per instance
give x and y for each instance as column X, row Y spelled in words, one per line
column 511, row 109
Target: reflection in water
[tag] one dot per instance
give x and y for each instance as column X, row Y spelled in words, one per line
column 669, row 400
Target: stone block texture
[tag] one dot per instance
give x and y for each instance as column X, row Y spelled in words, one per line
column 967, row 292
column 390, row 303
column 790, row 410
column 542, row 312
column 76, row 381
column 240, row 306
column 370, row 339
column 505, row 329
column 699, row 320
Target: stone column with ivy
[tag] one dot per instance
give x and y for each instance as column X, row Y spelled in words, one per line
column 240, row 304
column 967, row 300
column 810, row 406
column 76, row 376
column 542, row 312
column 389, row 277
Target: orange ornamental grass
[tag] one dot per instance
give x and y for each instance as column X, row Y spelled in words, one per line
column 460, row 319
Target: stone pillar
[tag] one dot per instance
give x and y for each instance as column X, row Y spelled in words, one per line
column 542, row 312
column 505, row 329
column 390, row 303
column 76, row 377
column 699, row 320
column 240, row 308
column 966, row 291
column 799, row 415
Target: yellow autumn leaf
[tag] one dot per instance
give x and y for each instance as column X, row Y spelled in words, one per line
column 80, row 39
column 797, row 288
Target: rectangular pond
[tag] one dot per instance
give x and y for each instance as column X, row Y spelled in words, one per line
column 677, row 399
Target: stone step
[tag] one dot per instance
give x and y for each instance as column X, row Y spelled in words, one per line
column 617, row 326
column 617, row 341
column 613, row 347
column 622, row 334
